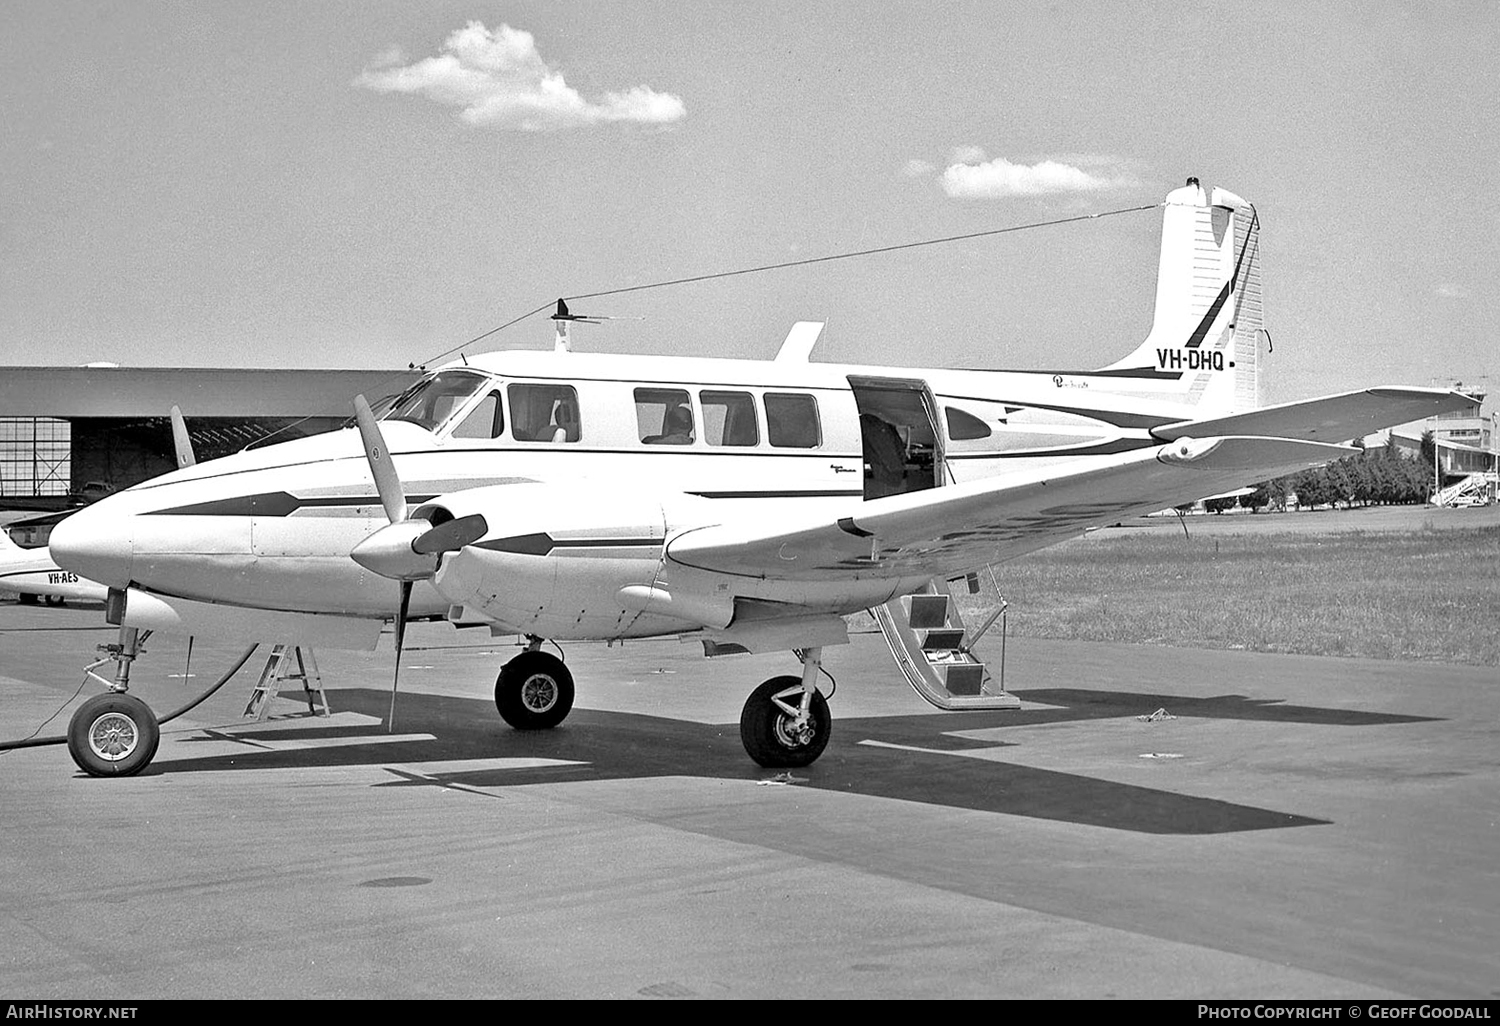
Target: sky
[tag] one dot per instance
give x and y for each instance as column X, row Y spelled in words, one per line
column 334, row 183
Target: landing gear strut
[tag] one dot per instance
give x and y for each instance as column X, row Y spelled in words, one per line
column 534, row 690
column 115, row 734
column 786, row 721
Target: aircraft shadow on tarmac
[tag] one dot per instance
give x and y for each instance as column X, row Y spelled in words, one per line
column 600, row 745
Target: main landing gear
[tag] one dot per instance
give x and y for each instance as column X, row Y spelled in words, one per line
column 534, row 690
column 785, row 721
column 115, row 734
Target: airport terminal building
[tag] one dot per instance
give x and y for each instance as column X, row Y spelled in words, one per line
column 1466, row 449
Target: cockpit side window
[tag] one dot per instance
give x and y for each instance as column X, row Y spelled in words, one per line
column 487, row 420
column 433, row 400
column 544, row 413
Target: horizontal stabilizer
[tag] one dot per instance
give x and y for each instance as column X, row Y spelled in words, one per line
column 1333, row 418
column 950, row 530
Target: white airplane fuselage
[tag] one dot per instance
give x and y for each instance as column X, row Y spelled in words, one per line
column 272, row 528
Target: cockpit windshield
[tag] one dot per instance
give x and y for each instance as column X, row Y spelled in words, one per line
column 431, row 401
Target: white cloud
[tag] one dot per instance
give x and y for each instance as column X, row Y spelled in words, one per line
column 498, row 79
column 1000, row 178
column 1452, row 290
column 917, row 168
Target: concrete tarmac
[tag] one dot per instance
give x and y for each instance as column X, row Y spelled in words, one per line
column 1289, row 827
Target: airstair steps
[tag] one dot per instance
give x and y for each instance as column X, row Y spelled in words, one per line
column 927, row 637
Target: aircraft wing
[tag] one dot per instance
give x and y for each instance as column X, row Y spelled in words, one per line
column 1333, row 418
column 950, row 530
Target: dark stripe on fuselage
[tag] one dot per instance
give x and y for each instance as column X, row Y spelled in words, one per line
column 1100, row 449
column 509, row 447
column 282, row 504
column 272, row 504
column 811, row 494
column 1114, row 418
column 1123, row 372
column 542, row 544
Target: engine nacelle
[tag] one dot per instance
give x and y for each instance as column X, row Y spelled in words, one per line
column 556, row 559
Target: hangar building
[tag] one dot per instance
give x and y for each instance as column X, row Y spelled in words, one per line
column 71, row 434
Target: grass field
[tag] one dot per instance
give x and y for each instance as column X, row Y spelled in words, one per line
column 1398, row 585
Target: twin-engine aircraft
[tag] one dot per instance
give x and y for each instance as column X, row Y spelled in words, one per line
column 748, row 505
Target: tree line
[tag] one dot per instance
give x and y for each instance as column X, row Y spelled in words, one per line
column 1381, row 476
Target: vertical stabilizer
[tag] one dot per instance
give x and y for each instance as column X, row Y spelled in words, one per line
column 1205, row 339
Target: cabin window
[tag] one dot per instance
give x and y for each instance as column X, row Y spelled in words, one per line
column 729, row 418
column 963, row 427
column 486, row 420
column 792, row 420
column 664, row 416
column 432, row 401
column 544, row 413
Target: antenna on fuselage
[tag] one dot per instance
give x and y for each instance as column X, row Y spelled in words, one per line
column 562, row 317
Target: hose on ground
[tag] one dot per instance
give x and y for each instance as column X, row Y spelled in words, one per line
column 37, row 742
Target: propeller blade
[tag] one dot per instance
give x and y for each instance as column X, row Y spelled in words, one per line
column 181, row 441
column 392, row 497
column 452, row 536
column 400, row 641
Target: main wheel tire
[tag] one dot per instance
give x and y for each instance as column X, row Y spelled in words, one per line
column 534, row 691
column 767, row 730
column 55, row 600
column 113, row 735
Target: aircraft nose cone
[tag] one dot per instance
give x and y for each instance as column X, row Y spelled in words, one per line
column 95, row 544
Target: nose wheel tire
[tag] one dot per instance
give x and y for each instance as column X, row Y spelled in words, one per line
column 773, row 733
column 113, row 735
column 534, row 691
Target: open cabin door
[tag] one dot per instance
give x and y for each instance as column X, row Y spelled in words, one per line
column 899, row 433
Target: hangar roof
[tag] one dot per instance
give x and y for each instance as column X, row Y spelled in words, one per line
column 68, row 392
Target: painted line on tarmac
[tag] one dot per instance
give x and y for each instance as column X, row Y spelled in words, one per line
column 291, row 745
column 968, row 752
column 470, row 765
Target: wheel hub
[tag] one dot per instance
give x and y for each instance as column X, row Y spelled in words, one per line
column 539, row 693
column 795, row 731
column 113, row 736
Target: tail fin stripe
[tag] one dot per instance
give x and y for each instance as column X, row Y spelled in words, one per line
column 1201, row 332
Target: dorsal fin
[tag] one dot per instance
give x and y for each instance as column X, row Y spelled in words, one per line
column 799, row 342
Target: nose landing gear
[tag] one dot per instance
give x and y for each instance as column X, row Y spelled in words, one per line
column 115, row 734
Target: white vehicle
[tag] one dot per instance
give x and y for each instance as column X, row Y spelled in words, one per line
column 746, row 504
